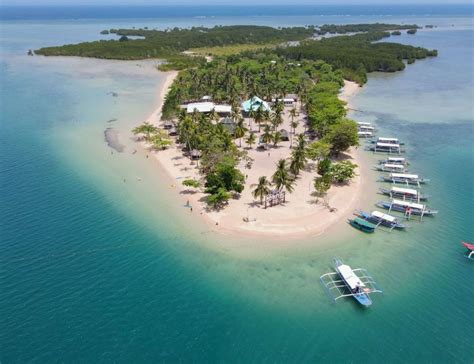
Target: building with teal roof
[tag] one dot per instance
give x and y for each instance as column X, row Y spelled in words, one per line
column 254, row 103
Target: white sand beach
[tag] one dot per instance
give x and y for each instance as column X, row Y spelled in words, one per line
column 303, row 213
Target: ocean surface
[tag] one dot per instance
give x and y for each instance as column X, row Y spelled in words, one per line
column 100, row 262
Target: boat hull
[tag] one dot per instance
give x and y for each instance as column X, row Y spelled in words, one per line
column 416, row 212
column 375, row 220
column 362, row 228
column 404, row 181
column 363, row 299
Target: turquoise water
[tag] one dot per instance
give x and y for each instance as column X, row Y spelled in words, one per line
column 93, row 269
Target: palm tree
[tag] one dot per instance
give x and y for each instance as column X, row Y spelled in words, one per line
column 267, row 136
column 214, row 116
column 301, row 143
column 281, row 178
column 293, row 114
column 298, row 156
column 259, row 116
column 261, row 189
column 294, row 124
column 276, row 138
column 298, row 161
column 276, row 120
column 251, row 139
column 240, row 130
column 253, row 115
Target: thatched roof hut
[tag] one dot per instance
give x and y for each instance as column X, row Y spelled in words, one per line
column 195, row 154
column 229, row 124
column 285, row 136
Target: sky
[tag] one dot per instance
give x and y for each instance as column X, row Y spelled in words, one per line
column 227, row 2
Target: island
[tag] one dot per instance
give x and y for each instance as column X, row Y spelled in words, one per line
column 252, row 123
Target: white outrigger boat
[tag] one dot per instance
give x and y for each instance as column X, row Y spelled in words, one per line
column 381, row 147
column 387, row 140
column 380, row 219
column 394, row 160
column 404, row 178
column 389, row 167
column 365, row 134
column 406, row 194
column 348, row 282
column 407, row 208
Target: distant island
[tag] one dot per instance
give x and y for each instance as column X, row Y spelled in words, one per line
column 255, row 116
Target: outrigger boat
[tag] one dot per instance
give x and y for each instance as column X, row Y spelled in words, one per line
column 362, row 225
column 407, row 179
column 363, row 123
column 394, row 160
column 381, row 219
column 348, row 282
column 389, row 167
column 406, row 194
column 366, row 128
column 387, row 140
column 470, row 247
column 365, row 134
column 380, row 147
column 406, row 207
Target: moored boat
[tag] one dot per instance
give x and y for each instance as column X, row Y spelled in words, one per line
column 353, row 283
column 406, row 194
column 379, row 218
column 387, row 140
column 348, row 282
column 385, row 148
column 394, row 160
column 404, row 178
column 362, row 225
column 470, row 247
column 407, row 208
column 389, row 167
column 365, row 134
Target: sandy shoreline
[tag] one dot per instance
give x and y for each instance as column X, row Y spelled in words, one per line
column 300, row 216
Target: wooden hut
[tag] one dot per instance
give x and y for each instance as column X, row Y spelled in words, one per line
column 285, row 136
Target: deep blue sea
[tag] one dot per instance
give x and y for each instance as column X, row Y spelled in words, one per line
column 93, row 269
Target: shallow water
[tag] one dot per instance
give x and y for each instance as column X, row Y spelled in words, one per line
column 97, row 269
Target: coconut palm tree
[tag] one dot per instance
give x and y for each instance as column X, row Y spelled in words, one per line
column 294, row 124
column 262, row 188
column 293, row 114
column 267, row 136
column 298, row 161
column 240, row 130
column 276, row 138
column 259, row 116
column 251, row 139
column 214, row 116
column 276, row 119
column 281, row 178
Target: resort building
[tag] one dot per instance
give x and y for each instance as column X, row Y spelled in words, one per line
column 207, row 107
column 254, row 104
